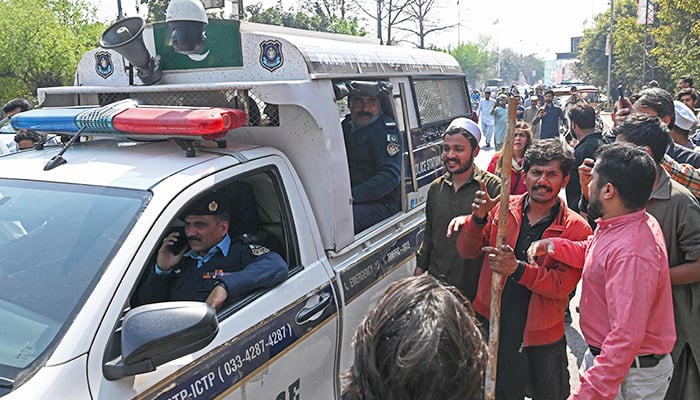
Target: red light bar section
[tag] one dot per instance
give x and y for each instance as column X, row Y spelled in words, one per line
column 211, row 123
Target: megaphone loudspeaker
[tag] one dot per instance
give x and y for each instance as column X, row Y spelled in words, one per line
column 126, row 38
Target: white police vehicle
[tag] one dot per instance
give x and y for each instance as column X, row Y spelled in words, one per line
column 252, row 111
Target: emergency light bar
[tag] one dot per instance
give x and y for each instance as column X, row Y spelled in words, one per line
column 128, row 118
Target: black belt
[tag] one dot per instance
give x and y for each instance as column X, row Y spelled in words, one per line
column 646, row 361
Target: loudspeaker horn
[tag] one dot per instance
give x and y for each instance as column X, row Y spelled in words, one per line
column 126, row 38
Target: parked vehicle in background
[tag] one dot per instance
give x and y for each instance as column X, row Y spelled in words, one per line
column 589, row 93
column 493, row 86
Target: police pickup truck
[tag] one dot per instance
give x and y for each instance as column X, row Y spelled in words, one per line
column 253, row 113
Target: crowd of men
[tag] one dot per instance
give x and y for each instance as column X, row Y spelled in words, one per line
column 628, row 228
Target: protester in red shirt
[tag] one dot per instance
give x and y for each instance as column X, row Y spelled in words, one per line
column 532, row 345
column 626, row 304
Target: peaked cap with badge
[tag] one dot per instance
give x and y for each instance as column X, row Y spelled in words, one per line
column 361, row 88
column 213, row 203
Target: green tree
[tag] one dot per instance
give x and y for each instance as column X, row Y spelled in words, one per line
column 41, row 42
column 627, row 48
column 515, row 66
column 593, row 61
column 156, row 9
column 477, row 63
column 672, row 45
column 317, row 20
column 677, row 39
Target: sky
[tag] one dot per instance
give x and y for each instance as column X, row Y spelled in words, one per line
column 542, row 27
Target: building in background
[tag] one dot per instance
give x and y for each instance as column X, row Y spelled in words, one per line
column 560, row 70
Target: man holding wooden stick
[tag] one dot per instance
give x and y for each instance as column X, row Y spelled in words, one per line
column 531, row 343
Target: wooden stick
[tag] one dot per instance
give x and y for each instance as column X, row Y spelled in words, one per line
column 497, row 280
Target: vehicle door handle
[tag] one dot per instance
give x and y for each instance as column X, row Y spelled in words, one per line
column 305, row 314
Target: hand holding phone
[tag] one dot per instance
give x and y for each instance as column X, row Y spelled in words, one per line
column 172, row 248
column 180, row 241
column 624, row 106
column 621, row 92
column 585, row 171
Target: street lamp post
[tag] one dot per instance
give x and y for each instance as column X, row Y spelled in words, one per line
column 379, row 21
column 120, row 15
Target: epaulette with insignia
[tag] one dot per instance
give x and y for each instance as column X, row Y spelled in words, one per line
column 258, row 250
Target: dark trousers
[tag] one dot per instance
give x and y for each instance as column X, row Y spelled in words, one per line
column 539, row 372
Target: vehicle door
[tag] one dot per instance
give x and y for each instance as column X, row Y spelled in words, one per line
column 423, row 107
column 384, row 253
column 278, row 343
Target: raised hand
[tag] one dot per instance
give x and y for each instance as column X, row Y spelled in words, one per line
column 483, row 203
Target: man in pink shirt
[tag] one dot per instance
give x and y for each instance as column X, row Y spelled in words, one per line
column 626, row 305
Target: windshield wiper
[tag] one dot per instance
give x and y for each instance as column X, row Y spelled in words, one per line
column 6, row 382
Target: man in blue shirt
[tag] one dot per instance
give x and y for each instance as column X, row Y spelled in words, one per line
column 550, row 115
column 212, row 267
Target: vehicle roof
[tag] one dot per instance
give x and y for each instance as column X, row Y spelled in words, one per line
column 112, row 163
column 305, row 55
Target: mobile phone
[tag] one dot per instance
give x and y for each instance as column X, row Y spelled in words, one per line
column 621, row 92
column 181, row 241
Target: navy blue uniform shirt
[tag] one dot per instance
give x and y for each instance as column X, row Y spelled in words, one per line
column 245, row 267
column 374, row 158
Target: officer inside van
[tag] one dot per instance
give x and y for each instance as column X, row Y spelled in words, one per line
column 374, row 150
column 209, row 265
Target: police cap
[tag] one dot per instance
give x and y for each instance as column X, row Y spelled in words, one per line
column 214, row 203
column 362, row 88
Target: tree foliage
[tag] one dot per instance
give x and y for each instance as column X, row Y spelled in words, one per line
column 677, row 38
column 313, row 17
column 593, row 65
column 673, row 45
column 516, row 67
column 477, row 63
column 156, row 9
column 41, row 42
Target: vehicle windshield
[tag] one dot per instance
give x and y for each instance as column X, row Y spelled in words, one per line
column 56, row 240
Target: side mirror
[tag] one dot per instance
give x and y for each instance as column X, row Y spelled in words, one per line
column 155, row 334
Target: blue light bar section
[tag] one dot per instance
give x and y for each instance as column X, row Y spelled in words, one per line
column 48, row 120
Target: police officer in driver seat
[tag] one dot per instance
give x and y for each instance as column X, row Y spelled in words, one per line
column 211, row 267
column 374, row 150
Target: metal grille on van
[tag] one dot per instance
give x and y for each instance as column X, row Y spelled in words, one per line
column 440, row 99
column 259, row 112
